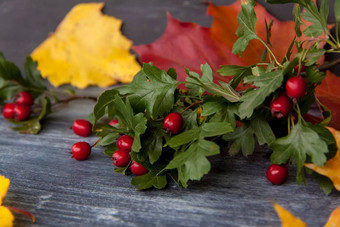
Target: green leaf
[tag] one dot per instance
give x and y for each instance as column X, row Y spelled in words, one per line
column 267, row 83
column 316, row 29
column 134, row 124
column 152, row 90
column 172, row 72
column 33, row 125
column 152, row 144
column 106, row 99
column 33, row 75
column 297, row 19
column 194, row 160
column 191, row 80
column 184, row 138
column 325, row 184
column 313, row 55
column 9, row 71
column 301, row 142
column 151, row 179
column 108, row 139
column 246, row 20
column 238, row 73
column 337, row 10
column 226, row 91
column 262, row 130
column 110, row 149
column 215, row 129
column 242, row 139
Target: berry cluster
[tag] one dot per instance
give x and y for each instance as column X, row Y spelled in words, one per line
column 20, row 110
column 81, row 150
column 296, row 88
column 122, row 158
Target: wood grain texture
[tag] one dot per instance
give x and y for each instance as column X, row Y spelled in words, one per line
column 60, row 191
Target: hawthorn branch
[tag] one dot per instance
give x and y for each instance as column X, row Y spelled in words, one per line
column 326, row 66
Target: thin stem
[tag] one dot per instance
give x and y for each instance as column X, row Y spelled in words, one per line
column 329, row 65
column 271, row 53
column 191, row 105
column 337, row 33
column 93, row 145
column 72, row 98
column 22, row 212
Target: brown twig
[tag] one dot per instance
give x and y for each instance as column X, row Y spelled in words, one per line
column 191, row 105
column 329, row 65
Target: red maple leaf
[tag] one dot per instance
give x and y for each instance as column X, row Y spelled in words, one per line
column 187, row 45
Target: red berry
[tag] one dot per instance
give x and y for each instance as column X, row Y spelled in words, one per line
column 138, row 169
column 22, row 112
column 303, row 68
column 296, row 87
column 8, row 111
column 173, row 123
column 113, row 122
column 281, row 106
column 124, row 143
column 25, row 98
column 81, row 151
column 82, row 127
column 277, row 174
column 121, row 158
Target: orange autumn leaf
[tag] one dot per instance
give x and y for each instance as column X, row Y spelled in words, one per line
column 334, row 218
column 87, row 49
column 225, row 25
column 329, row 95
column 331, row 169
column 288, row 219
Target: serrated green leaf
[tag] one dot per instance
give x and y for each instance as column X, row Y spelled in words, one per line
column 262, row 130
column 108, row 139
column 314, row 55
column 297, row 19
column 106, row 99
column 301, row 142
column 151, row 179
column 191, row 83
column 238, row 73
column 139, row 124
column 316, row 29
column 246, row 20
column 215, row 129
column 33, row 75
column 190, row 120
column 152, row 145
column 194, row 159
column 9, row 71
column 152, row 90
column 267, row 83
column 184, row 138
column 313, row 75
column 212, row 107
column 242, row 139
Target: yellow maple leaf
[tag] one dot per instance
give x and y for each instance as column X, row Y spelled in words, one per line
column 6, row 217
column 331, row 169
column 288, row 219
column 87, row 49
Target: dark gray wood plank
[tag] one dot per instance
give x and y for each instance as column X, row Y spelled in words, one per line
column 63, row 192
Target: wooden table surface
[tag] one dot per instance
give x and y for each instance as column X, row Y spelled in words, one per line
column 60, row 191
